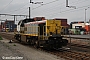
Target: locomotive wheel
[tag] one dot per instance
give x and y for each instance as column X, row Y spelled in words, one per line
column 32, row 42
column 65, row 42
column 36, row 45
column 14, row 37
column 19, row 39
column 28, row 41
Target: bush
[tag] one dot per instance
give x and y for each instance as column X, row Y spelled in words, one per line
column 14, row 45
column 1, row 38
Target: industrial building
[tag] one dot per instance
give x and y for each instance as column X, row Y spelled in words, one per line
column 7, row 26
column 80, row 26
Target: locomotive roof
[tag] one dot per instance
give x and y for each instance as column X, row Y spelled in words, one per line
column 36, row 22
column 28, row 20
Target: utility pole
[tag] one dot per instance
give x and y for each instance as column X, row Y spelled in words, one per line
column 86, row 14
column 29, row 12
column 14, row 19
column 67, row 3
column 33, row 3
column 30, row 1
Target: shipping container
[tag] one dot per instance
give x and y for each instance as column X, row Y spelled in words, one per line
column 76, row 25
column 63, row 21
column 3, row 26
column 74, row 31
column 87, row 27
column 8, row 26
column 64, row 31
column 39, row 18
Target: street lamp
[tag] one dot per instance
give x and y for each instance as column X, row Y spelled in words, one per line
column 85, row 15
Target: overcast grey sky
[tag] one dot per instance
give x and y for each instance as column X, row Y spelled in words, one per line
column 49, row 9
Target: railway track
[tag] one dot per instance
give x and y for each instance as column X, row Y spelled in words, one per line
column 77, row 37
column 79, row 44
column 71, row 55
column 82, row 46
column 67, row 54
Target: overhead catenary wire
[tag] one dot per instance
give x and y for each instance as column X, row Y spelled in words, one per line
column 16, row 9
column 7, row 5
column 48, row 10
column 45, row 4
column 76, row 2
column 42, row 5
column 79, row 8
column 69, row 10
column 19, row 8
column 34, row 8
column 23, row 11
column 61, row 4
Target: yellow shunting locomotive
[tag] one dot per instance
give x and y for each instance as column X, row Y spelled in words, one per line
column 43, row 33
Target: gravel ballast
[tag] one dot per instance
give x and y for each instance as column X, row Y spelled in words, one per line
column 18, row 51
